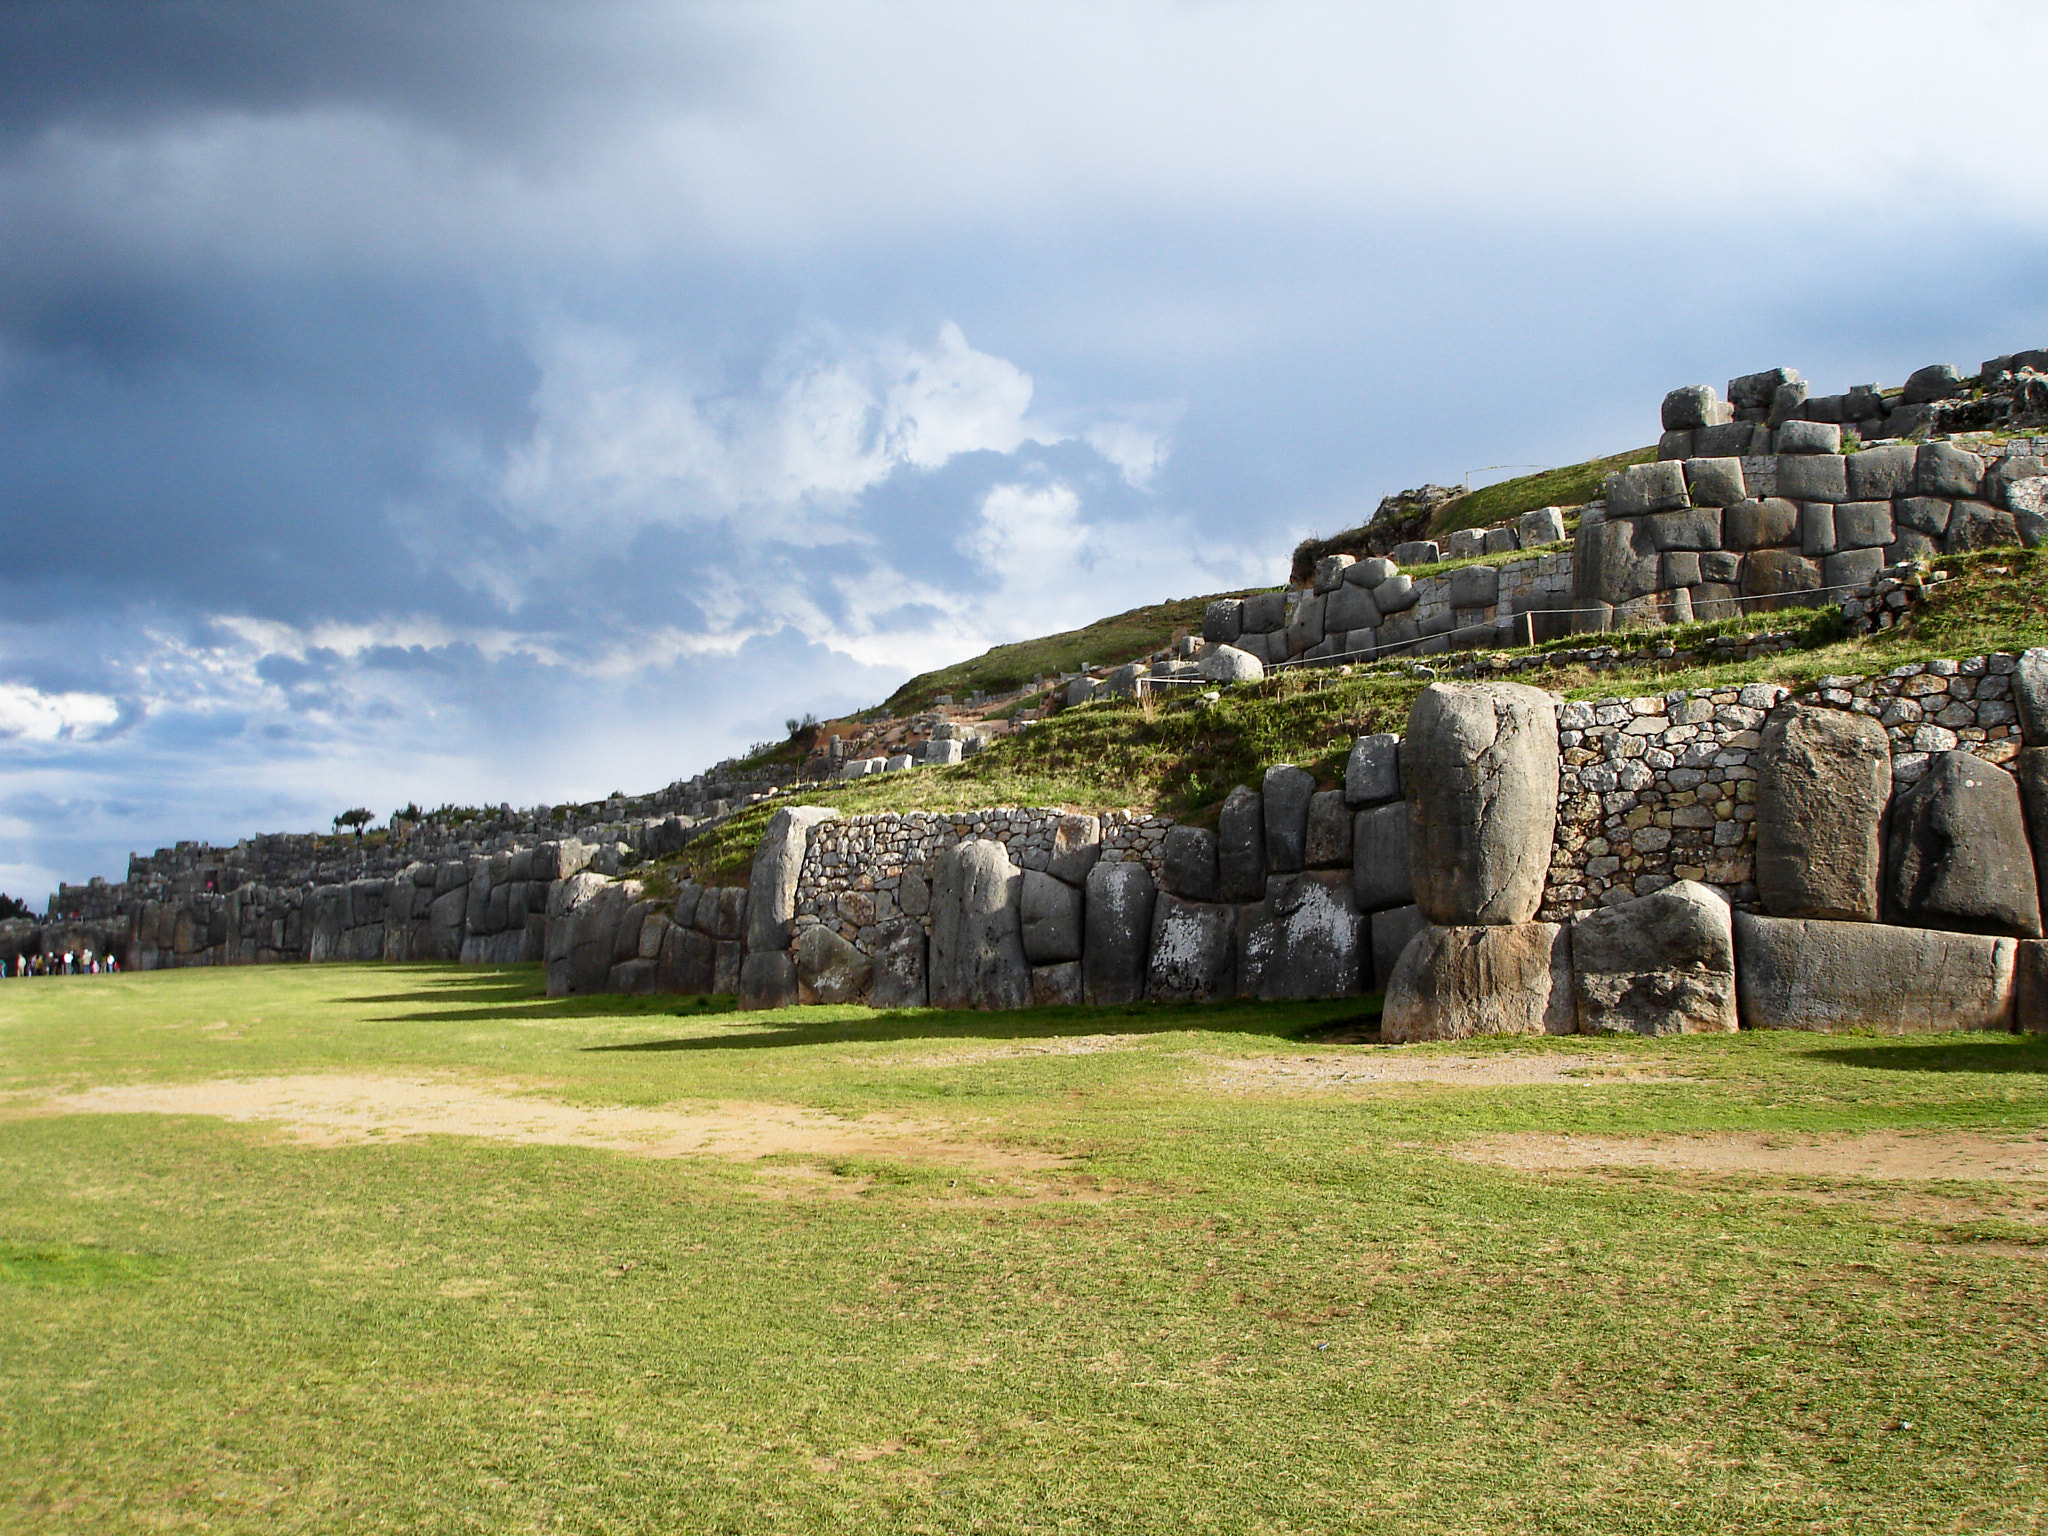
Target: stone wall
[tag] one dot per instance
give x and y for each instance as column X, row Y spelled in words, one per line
column 1711, row 537
column 470, row 886
column 1881, row 878
column 1308, row 891
column 861, row 874
column 1359, row 609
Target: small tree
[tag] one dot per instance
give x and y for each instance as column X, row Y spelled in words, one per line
column 356, row 819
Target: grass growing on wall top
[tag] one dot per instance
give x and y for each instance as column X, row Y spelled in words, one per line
column 1571, row 486
column 1178, row 756
column 1107, row 642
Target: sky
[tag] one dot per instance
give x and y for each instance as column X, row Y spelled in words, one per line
column 494, row 400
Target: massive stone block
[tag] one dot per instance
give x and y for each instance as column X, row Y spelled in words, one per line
column 1223, row 621
column 632, row 978
column 1475, row 586
column 1305, row 940
column 1188, row 867
column 1794, row 973
column 2030, row 694
column 1714, row 482
column 1396, row 594
column 585, row 915
column 1265, row 612
column 1640, row 488
column 1076, row 845
column 1305, row 629
column 1229, row 664
column 1241, row 845
column 767, row 979
column 1498, row 979
column 1328, row 843
column 1863, row 525
column 1662, row 964
column 1695, row 528
column 1350, row 607
column 1879, row 474
column 1049, row 919
column 687, row 959
column 1613, row 561
column 1118, row 924
column 1760, row 524
column 1193, row 951
column 1823, row 777
column 722, row 912
column 1056, row 986
column 1958, row 857
column 1391, row 931
column 1329, row 571
column 830, row 969
column 727, row 957
column 1979, row 525
column 1372, row 774
column 977, row 949
column 1379, row 858
column 2030, row 987
column 1543, row 526
column 1695, row 405
column 1285, row 794
column 442, row 937
column 1942, row 469
column 771, row 889
column 1753, row 391
column 1480, row 767
column 1812, row 477
column 2030, row 772
column 1779, row 578
column 1809, row 437
column 900, row 975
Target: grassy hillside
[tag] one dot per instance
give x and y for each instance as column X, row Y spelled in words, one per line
column 1107, row 642
column 1571, row 486
column 1182, row 757
column 321, row 1248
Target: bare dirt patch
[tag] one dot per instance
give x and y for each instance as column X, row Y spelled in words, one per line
column 1064, row 1045
column 1353, row 1069
column 332, row 1111
column 1900, row 1155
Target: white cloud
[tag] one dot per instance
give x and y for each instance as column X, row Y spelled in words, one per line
column 1054, row 570
column 623, row 437
column 27, row 714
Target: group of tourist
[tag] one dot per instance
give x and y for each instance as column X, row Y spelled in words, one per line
column 72, row 962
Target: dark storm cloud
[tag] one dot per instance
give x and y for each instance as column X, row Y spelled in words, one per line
column 501, row 70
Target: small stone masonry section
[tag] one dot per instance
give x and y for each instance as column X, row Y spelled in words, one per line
column 862, row 874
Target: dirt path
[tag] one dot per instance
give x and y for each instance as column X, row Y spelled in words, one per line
column 1329, row 1069
column 332, row 1111
column 1870, row 1155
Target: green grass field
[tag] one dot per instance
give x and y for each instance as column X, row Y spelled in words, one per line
column 340, row 1248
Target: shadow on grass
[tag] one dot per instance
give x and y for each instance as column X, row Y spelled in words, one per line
column 472, row 994
column 1325, row 1020
column 459, row 993
column 1998, row 1053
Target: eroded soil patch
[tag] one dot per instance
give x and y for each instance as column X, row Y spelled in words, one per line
column 1352, row 1069
column 1916, row 1156
column 338, row 1110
